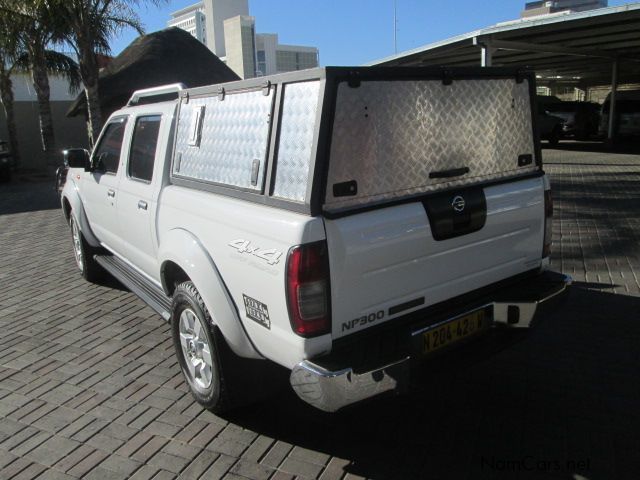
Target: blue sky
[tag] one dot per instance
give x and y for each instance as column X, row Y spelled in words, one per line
column 353, row 32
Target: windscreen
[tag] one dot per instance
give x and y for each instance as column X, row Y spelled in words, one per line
column 393, row 139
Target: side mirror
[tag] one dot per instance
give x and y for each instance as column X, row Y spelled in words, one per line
column 77, row 158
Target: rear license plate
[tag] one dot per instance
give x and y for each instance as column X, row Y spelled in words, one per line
column 447, row 333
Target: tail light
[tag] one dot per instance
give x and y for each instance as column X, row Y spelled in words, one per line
column 548, row 223
column 308, row 289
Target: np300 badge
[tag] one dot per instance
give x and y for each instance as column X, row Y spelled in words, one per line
column 363, row 320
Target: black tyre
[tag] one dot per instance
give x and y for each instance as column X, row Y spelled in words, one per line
column 196, row 344
column 83, row 252
column 219, row 379
column 554, row 137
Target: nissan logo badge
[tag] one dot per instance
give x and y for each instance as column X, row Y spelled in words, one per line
column 458, row 203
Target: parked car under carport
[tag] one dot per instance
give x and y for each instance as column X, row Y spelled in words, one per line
column 550, row 127
column 627, row 114
column 581, row 119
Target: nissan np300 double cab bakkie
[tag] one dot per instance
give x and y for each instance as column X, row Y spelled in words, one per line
column 293, row 218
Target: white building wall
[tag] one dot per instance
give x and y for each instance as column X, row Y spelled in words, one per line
column 23, row 88
column 240, row 38
column 216, row 12
column 69, row 132
column 273, row 57
column 266, row 46
column 293, row 57
column 192, row 20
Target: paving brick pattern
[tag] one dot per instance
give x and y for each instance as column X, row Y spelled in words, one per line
column 90, row 388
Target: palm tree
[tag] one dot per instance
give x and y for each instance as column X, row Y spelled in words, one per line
column 89, row 25
column 9, row 57
column 49, row 62
column 35, row 36
column 35, row 33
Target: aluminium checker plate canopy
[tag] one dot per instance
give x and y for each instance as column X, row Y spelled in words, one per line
column 337, row 140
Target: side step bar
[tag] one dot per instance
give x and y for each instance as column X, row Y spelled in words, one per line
column 148, row 292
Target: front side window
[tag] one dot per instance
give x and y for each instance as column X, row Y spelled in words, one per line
column 107, row 153
column 143, row 147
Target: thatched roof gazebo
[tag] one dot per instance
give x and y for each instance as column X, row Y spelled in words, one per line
column 168, row 56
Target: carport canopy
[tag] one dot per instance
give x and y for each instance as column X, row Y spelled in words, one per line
column 595, row 47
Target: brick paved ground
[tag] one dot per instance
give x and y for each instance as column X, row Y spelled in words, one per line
column 89, row 386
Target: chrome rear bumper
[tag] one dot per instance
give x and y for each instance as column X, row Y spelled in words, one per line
column 331, row 390
column 521, row 314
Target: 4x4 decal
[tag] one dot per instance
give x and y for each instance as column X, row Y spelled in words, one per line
column 271, row 255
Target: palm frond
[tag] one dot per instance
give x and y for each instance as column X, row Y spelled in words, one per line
column 11, row 49
column 56, row 63
column 61, row 64
column 120, row 23
column 89, row 27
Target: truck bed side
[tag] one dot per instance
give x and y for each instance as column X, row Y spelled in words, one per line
column 249, row 245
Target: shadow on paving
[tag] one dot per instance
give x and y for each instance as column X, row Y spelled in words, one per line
column 562, row 401
column 607, row 206
column 18, row 197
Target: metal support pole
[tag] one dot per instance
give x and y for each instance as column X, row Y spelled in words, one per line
column 395, row 27
column 486, row 54
column 612, row 100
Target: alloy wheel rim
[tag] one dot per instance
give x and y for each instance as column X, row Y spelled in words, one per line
column 196, row 349
column 77, row 244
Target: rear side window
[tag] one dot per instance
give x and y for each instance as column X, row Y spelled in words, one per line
column 143, row 147
column 107, row 152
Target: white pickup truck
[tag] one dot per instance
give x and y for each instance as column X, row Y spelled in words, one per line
column 340, row 222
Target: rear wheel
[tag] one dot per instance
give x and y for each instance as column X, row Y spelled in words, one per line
column 84, row 253
column 194, row 340
column 218, row 379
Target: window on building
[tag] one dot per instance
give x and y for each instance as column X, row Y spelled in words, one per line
column 143, row 147
column 262, row 64
column 106, row 155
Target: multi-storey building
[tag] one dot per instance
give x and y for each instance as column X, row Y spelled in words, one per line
column 192, row 20
column 553, row 6
column 274, row 57
column 205, row 21
column 240, row 38
column 226, row 28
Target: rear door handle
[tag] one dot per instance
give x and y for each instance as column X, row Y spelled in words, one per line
column 111, row 193
column 142, row 205
column 454, row 172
